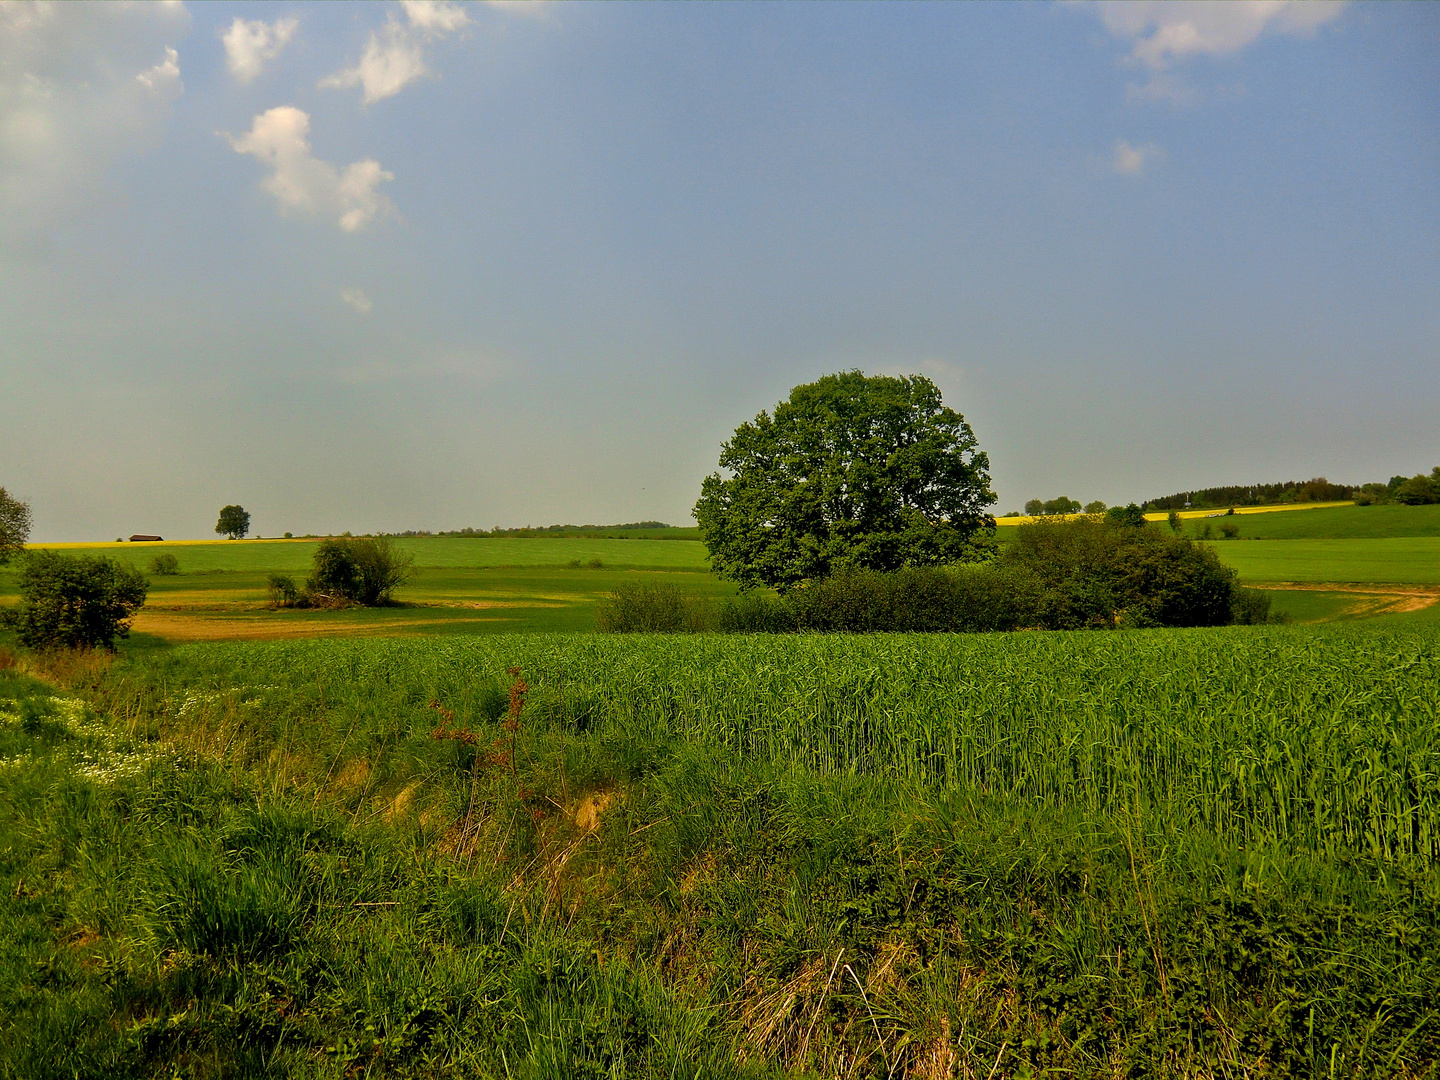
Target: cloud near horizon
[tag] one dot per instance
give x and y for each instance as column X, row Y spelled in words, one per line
column 251, row 44
column 302, row 182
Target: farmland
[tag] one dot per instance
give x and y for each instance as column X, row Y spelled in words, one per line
column 1160, row 852
column 468, row 585
column 341, row 843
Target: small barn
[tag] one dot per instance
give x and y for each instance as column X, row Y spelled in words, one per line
column 138, row 537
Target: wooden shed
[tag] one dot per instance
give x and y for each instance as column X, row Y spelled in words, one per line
column 138, row 537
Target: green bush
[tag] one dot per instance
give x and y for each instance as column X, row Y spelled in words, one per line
column 283, row 591
column 1251, row 607
column 638, row 607
column 1106, row 574
column 76, row 602
column 165, row 565
column 359, row 570
column 756, row 613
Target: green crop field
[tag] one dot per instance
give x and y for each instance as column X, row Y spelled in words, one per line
column 1413, row 560
column 1334, row 523
column 1169, row 853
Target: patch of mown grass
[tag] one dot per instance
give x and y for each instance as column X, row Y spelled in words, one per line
column 1405, row 559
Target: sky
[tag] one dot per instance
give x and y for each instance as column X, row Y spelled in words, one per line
column 389, row 266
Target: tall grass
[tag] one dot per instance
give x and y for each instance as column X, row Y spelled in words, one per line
column 1200, row 853
column 1325, row 740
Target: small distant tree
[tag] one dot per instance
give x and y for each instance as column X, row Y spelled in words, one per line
column 1034, row 507
column 14, row 526
column 360, row 570
column 1096, row 507
column 234, row 522
column 1130, row 516
column 165, row 564
column 77, row 602
column 1061, row 505
column 1173, row 520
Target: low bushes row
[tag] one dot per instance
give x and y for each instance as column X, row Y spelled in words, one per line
column 1075, row 575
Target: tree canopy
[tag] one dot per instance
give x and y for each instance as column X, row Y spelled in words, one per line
column 76, row 602
column 873, row 472
column 14, row 526
column 234, row 522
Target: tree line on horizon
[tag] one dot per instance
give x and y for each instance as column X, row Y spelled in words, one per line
column 1417, row 490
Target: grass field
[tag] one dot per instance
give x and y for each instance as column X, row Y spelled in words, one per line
column 1193, row 853
column 1414, row 560
column 1336, row 523
column 296, row 556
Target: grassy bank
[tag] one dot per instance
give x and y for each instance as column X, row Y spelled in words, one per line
column 1155, row 853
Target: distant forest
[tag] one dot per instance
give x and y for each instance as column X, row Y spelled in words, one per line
column 1411, row 490
column 1293, row 491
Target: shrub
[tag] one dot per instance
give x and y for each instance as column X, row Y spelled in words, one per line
column 1251, row 607
column 283, row 591
column 165, row 565
column 756, row 613
column 639, row 607
column 1229, row 530
column 76, row 602
column 361, row 570
column 1093, row 574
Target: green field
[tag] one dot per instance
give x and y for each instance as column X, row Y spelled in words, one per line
column 1160, row 853
column 1413, row 560
column 295, row 556
column 1333, row 523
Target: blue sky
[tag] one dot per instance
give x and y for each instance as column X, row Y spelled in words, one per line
column 395, row 266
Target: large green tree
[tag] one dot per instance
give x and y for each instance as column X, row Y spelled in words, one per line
column 14, row 526
column 234, row 522
column 852, row 471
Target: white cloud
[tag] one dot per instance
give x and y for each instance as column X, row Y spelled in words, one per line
column 80, row 85
column 435, row 17
column 250, row 45
column 1167, row 31
column 1132, row 160
column 393, row 59
column 164, row 78
column 302, row 182
column 357, row 299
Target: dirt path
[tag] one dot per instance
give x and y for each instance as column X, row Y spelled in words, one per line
column 1387, row 599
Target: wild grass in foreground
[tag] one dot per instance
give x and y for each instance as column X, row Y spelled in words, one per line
column 1190, row 853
